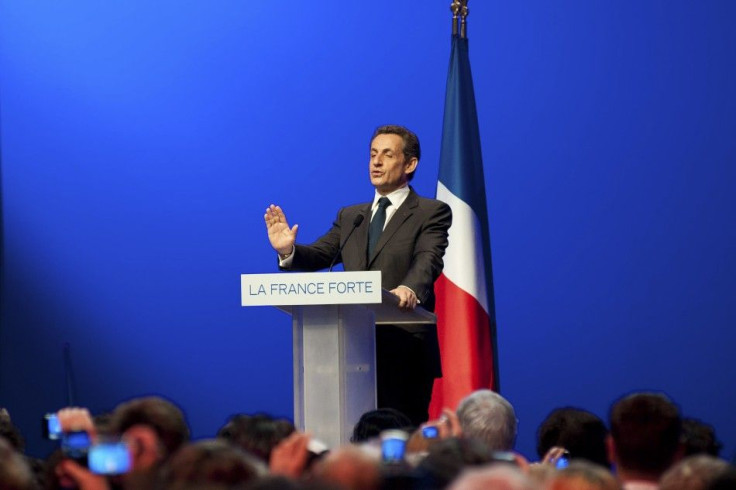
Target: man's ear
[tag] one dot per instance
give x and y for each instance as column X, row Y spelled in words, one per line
column 411, row 165
column 611, row 449
column 145, row 447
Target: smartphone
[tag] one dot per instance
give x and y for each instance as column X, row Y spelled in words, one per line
column 504, row 457
column 75, row 445
column 393, row 445
column 562, row 462
column 430, row 432
column 109, row 458
column 50, row 426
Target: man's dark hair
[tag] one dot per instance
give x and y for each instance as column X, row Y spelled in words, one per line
column 411, row 147
column 373, row 422
column 165, row 418
column 10, row 432
column 646, row 431
column 14, row 471
column 582, row 433
column 211, row 462
column 449, row 457
column 258, row 434
column 699, row 438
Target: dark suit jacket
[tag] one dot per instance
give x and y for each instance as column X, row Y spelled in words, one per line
column 409, row 252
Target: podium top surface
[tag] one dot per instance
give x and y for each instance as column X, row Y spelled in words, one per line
column 386, row 313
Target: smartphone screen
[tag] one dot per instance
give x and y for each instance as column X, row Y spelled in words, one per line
column 109, row 458
column 430, row 432
column 51, row 427
column 393, row 443
column 75, row 445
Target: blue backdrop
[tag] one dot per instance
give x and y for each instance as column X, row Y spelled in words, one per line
column 141, row 143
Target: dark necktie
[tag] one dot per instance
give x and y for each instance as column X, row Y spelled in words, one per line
column 376, row 228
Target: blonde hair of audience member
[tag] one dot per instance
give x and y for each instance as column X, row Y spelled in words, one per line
column 693, row 473
column 583, row 475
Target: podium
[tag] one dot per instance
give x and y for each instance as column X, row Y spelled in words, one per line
column 334, row 316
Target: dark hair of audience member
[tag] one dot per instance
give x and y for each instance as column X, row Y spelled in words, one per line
column 581, row 433
column 447, row 458
column 274, row 482
column 646, row 430
column 699, row 438
column 258, row 434
column 10, row 432
column 165, row 418
column 210, row 462
column 372, row 423
column 14, row 471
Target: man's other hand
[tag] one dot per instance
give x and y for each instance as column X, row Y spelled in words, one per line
column 407, row 298
column 281, row 236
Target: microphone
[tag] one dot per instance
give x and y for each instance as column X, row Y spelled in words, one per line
column 356, row 223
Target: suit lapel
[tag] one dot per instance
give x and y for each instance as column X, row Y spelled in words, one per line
column 394, row 224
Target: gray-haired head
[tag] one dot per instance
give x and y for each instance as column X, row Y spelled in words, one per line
column 488, row 416
column 693, row 473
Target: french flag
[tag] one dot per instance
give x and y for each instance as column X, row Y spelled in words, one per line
column 466, row 319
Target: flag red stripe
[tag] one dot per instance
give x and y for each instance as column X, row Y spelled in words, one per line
column 463, row 329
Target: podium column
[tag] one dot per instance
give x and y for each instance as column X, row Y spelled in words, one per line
column 334, row 369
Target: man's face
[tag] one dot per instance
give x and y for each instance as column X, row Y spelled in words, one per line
column 388, row 167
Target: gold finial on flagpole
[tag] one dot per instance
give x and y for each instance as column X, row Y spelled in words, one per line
column 459, row 10
column 455, row 7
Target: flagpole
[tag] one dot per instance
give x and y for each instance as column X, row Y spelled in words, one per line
column 465, row 301
column 459, row 10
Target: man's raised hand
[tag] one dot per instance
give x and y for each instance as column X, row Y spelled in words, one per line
column 281, row 236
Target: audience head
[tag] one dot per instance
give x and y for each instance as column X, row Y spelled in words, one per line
column 645, row 434
column 497, row 477
column 583, row 475
column 14, row 471
column 580, row 432
column 372, row 423
column 447, row 458
column 10, row 432
column 210, row 462
column 258, row 434
column 489, row 417
column 693, row 473
column 349, row 467
column 699, row 438
column 724, row 481
column 153, row 426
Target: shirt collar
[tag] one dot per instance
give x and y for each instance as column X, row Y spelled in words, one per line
column 396, row 197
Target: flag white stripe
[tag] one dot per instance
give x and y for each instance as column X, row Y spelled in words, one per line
column 464, row 264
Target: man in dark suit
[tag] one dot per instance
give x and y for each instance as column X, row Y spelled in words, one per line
column 405, row 240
